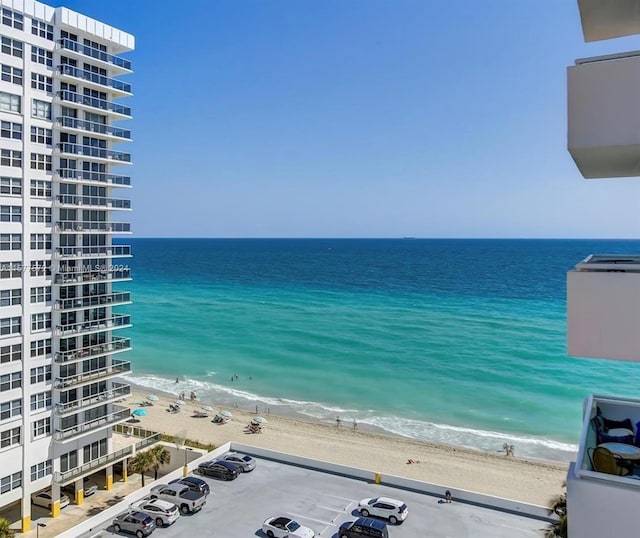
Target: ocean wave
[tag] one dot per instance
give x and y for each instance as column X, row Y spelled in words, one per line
column 484, row 440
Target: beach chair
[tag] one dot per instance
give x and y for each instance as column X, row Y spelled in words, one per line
column 605, row 461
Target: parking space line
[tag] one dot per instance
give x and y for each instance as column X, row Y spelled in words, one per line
column 333, row 509
column 300, row 516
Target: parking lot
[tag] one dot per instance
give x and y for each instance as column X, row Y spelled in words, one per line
column 323, row 501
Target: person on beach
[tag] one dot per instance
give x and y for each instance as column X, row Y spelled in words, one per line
column 447, row 496
column 176, row 380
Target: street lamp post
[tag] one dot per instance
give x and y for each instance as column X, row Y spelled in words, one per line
column 185, row 469
column 38, row 525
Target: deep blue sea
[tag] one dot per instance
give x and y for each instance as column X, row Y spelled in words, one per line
column 455, row 341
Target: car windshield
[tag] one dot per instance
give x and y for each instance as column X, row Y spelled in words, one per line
column 373, row 501
column 247, row 458
column 293, row 526
column 403, row 508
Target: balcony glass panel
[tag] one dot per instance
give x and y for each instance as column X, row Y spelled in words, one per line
column 94, row 102
column 112, row 418
column 95, row 53
column 83, row 175
column 96, row 78
column 90, row 151
column 93, row 127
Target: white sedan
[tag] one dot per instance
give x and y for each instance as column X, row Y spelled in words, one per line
column 391, row 509
column 162, row 512
column 44, row 499
column 282, row 527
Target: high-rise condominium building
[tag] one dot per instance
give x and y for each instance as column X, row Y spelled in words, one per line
column 60, row 175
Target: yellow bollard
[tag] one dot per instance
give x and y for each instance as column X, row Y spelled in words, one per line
column 79, row 497
column 378, row 478
column 26, row 524
column 55, row 509
column 185, row 470
column 109, row 484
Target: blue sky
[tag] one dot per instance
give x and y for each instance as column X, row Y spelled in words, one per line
column 360, row 118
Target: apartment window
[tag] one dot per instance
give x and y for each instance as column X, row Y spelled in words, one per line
column 40, row 135
column 10, row 326
column 10, row 437
column 10, row 242
column 41, row 470
column 41, row 348
column 41, row 294
column 41, row 400
column 42, row 29
column 41, row 109
column 10, row 270
column 41, row 82
column 41, row 214
column 12, row 18
column 10, row 482
column 8, row 73
column 11, row 353
column 10, row 297
column 42, row 427
column 40, row 161
column 10, row 213
column 40, row 242
column 10, row 409
column 9, row 129
column 40, row 268
column 41, row 321
column 12, row 47
column 9, row 157
column 40, row 374
column 40, row 188
column 94, row 450
column 68, row 461
column 10, row 381
column 41, row 56
column 9, row 102
column 11, row 186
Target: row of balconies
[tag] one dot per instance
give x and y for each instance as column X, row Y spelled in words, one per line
column 69, row 123
column 84, row 176
column 80, row 50
column 108, row 420
column 115, row 393
column 93, row 201
column 113, row 251
column 116, row 368
column 108, row 299
column 77, row 277
column 94, row 152
column 116, row 321
column 66, row 226
column 94, row 103
column 116, row 345
column 70, row 72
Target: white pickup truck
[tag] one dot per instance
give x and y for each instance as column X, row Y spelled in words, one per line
column 180, row 495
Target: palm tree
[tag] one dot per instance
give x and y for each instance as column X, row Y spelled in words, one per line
column 141, row 463
column 5, row 530
column 160, row 456
column 558, row 506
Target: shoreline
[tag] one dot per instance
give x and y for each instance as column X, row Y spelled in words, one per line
column 531, row 481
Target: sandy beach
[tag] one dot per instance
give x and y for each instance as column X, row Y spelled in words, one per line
column 494, row 474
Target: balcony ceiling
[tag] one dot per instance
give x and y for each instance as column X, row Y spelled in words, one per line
column 607, row 19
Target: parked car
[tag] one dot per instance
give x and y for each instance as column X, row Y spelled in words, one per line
column 43, row 498
column 283, row 527
column 162, row 512
column 371, row 528
column 194, row 483
column 134, row 523
column 219, row 469
column 89, row 487
column 392, row 509
column 180, row 495
column 246, row 463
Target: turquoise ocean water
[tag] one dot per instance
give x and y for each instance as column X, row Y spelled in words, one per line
column 454, row 341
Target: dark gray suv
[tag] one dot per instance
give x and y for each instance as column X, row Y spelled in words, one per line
column 134, row 523
column 363, row 527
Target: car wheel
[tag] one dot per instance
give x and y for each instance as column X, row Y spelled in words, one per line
column 184, row 509
column 140, row 534
column 152, row 496
column 159, row 522
column 393, row 520
column 116, row 528
column 270, row 534
column 365, row 513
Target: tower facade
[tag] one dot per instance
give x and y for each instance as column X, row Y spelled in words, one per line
column 60, row 175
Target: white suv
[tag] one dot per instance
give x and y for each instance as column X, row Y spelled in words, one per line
column 162, row 512
column 391, row 509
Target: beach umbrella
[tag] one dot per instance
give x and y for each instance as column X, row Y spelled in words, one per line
column 139, row 412
column 207, row 408
column 225, row 414
column 259, row 420
column 152, row 397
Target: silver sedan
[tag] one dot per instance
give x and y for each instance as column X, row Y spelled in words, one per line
column 246, row 463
